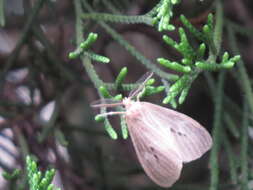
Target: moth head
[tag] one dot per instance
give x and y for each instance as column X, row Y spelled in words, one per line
column 132, row 107
column 127, row 102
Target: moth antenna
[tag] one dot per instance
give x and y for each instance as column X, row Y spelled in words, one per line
column 146, row 77
column 106, row 105
column 112, row 113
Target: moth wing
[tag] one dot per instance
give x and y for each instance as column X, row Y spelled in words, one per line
column 190, row 140
column 160, row 162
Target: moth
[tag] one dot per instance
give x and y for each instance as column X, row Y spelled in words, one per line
column 163, row 139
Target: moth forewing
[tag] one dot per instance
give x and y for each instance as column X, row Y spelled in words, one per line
column 160, row 162
column 187, row 137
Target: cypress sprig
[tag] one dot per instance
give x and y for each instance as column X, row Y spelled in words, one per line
column 207, row 33
column 177, row 87
column 184, row 94
column 194, row 31
column 184, row 46
column 201, row 52
column 104, row 92
column 123, row 124
column 36, row 179
column 150, row 90
column 193, row 61
column 121, row 76
column 107, row 125
column 225, row 64
column 96, row 57
column 92, row 37
column 13, row 175
column 100, row 118
column 174, row 65
column 109, row 129
column 164, row 14
column 126, row 19
column 83, row 49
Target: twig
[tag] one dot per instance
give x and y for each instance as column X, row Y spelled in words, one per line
column 24, row 36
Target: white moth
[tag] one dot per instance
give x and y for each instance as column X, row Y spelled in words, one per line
column 163, row 139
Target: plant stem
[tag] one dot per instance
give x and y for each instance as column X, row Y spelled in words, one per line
column 244, row 77
column 2, row 13
column 79, row 38
column 218, row 101
column 25, row 34
column 218, row 30
column 244, row 147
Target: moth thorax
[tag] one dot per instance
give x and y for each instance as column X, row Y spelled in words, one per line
column 132, row 107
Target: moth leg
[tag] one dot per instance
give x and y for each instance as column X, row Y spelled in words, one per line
column 112, row 113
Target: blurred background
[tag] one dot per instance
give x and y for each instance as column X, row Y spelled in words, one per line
column 45, row 97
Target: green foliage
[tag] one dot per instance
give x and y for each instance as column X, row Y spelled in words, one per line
column 108, row 127
column 123, row 127
column 174, row 65
column 38, row 180
column 193, row 61
column 143, row 19
column 12, row 176
column 121, row 76
column 85, row 46
column 164, row 14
